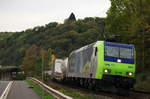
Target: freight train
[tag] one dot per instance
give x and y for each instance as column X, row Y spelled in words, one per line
column 102, row 64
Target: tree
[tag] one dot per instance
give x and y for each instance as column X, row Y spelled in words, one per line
column 62, row 38
column 71, row 18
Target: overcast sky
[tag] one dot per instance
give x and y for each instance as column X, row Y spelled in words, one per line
column 18, row 15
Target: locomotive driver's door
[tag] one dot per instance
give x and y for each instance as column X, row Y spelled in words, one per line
column 94, row 62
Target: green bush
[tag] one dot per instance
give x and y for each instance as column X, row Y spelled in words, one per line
column 143, row 82
column 19, row 77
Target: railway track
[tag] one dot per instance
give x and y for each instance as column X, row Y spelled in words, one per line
column 139, row 94
column 98, row 94
column 142, row 92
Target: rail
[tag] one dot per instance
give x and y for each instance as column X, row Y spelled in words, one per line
column 143, row 92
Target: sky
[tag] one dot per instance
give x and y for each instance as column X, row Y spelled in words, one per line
column 19, row 15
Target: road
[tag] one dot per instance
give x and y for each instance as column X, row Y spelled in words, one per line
column 21, row 90
column 3, row 85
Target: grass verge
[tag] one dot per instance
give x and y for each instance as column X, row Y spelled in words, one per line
column 39, row 90
column 75, row 94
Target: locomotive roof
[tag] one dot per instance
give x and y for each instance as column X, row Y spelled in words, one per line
column 82, row 48
column 119, row 45
column 106, row 43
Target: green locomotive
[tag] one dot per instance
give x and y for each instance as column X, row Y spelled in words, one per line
column 103, row 63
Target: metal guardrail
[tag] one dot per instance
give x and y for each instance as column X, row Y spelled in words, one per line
column 6, row 91
column 7, row 68
column 52, row 91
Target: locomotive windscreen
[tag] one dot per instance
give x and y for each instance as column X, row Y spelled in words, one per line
column 126, row 53
column 119, row 52
column 116, row 52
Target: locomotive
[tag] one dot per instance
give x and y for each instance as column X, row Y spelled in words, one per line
column 102, row 64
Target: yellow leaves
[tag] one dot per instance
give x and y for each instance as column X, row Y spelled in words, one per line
column 147, row 28
column 32, row 61
column 53, row 57
column 44, row 53
column 33, row 51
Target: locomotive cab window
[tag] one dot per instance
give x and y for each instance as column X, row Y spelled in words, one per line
column 96, row 51
column 111, row 51
column 120, row 52
column 126, row 53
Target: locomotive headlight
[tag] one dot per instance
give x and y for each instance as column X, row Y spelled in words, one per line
column 130, row 73
column 106, row 71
